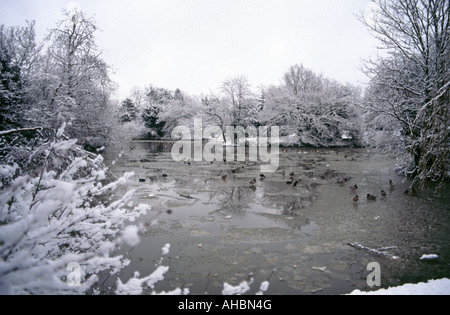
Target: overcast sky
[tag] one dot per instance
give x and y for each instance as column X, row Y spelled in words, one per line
column 194, row 45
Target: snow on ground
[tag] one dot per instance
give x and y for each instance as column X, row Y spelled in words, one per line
column 432, row 287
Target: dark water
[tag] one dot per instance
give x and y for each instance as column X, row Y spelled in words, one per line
column 297, row 238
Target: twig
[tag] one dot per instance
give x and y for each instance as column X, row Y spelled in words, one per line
column 379, row 251
column 186, row 196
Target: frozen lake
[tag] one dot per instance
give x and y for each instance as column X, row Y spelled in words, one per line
column 297, row 238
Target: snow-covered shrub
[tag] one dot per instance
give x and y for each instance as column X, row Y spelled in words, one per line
column 57, row 216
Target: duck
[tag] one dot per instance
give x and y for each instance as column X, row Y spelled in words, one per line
column 354, row 187
column 141, row 180
column 292, row 174
column 383, row 194
column 253, row 182
column 262, row 177
column 411, row 191
column 296, row 183
column 371, row 197
column 224, row 177
column 341, row 181
column 356, row 199
column 289, row 182
column 283, row 173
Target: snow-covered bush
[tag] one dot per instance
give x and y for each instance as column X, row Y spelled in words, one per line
column 57, row 216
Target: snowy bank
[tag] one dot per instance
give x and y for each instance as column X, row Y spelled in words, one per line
column 432, row 287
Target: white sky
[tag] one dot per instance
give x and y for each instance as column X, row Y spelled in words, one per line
column 195, row 45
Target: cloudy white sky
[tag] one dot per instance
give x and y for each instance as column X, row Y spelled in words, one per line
column 195, row 45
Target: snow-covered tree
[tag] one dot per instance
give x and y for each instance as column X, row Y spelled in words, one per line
column 128, row 111
column 164, row 109
column 155, row 102
column 9, row 99
column 241, row 101
column 410, row 83
column 53, row 211
column 74, row 84
column 320, row 111
column 19, row 54
column 181, row 110
column 215, row 112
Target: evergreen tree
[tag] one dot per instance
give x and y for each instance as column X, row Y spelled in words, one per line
column 128, row 111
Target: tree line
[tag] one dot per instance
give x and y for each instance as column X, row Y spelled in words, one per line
column 319, row 111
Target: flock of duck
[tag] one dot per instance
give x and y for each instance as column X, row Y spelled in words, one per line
column 262, row 177
column 341, row 181
column 370, row 197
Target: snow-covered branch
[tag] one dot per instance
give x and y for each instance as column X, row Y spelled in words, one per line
column 57, row 218
column 37, row 129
